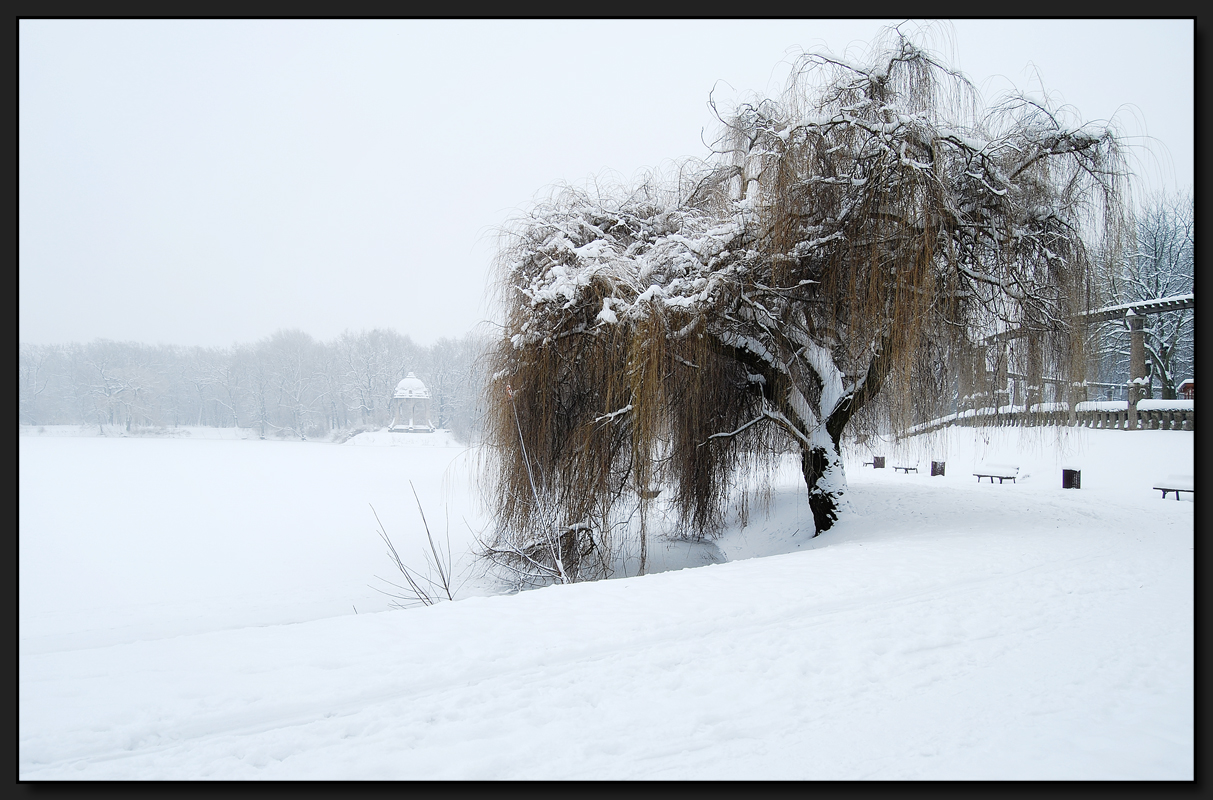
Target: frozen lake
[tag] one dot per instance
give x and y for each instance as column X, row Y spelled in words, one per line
column 187, row 610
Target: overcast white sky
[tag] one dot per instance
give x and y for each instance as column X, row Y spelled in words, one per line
column 209, row 182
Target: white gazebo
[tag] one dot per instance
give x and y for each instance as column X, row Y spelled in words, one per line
column 411, row 402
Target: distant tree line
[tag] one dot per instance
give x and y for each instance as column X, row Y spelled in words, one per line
column 286, row 385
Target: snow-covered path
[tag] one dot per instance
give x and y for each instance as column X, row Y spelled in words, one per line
column 944, row 630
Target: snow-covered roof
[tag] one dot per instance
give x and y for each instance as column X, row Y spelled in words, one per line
column 1172, row 303
column 411, row 387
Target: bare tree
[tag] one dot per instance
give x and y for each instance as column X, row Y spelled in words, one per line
column 196, row 367
column 228, row 372
column 369, row 361
column 122, row 381
column 1162, row 264
column 298, row 389
column 842, row 252
column 451, row 370
column 33, row 370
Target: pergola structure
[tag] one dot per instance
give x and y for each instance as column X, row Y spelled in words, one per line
column 979, row 384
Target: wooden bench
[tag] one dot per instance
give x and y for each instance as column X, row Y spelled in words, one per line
column 1004, row 472
column 906, row 469
column 1175, row 483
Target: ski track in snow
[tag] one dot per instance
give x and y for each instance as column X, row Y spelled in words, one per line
column 942, row 630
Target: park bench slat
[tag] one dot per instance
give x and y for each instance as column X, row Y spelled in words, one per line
column 1004, row 472
column 1175, row 483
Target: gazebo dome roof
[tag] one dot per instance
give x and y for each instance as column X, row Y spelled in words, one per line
column 411, row 387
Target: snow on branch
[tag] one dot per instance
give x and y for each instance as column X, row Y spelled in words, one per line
column 840, row 261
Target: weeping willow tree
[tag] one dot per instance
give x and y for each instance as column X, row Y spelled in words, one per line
column 843, row 252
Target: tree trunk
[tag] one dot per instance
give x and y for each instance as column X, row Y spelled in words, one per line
column 813, row 466
column 821, row 461
column 821, row 466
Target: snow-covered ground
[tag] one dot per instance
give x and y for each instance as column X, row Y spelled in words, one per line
column 200, row 608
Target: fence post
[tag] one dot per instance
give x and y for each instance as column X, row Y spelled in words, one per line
column 1137, row 364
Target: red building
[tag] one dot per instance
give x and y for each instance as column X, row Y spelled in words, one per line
column 1186, row 390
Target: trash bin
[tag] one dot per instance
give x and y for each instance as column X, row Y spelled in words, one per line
column 936, row 468
column 1071, row 478
column 877, row 462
